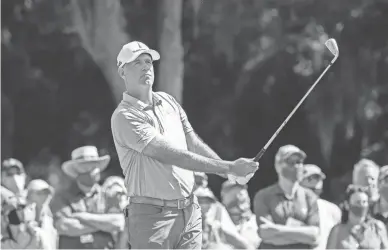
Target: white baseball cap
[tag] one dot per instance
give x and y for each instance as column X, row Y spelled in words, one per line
column 132, row 50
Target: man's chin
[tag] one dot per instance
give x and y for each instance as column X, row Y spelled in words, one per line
column 148, row 82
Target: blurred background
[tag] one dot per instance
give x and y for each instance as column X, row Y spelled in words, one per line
column 238, row 67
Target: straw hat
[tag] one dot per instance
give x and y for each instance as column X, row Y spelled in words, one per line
column 85, row 159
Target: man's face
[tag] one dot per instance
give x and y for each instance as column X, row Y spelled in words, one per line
column 116, row 197
column 200, row 181
column 205, row 203
column 38, row 197
column 237, row 195
column 88, row 179
column 291, row 168
column 141, row 70
column 313, row 182
column 368, row 177
column 13, row 179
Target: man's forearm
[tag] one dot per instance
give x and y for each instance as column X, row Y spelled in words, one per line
column 303, row 234
column 160, row 149
column 104, row 222
column 236, row 240
column 198, row 146
column 73, row 227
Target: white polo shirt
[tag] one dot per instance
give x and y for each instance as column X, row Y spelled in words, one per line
column 134, row 125
column 329, row 216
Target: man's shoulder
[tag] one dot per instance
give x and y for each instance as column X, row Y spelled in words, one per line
column 116, row 112
column 123, row 112
column 377, row 223
column 327, row 204
column 164, row 94
column 65, row 195
column 267, row 191
column 330, row 209
column 168, row 98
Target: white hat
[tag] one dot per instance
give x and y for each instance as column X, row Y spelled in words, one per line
column 115, row 182
column 39, row 185
column 85, row 159
column 132, row 50
column 311, row 169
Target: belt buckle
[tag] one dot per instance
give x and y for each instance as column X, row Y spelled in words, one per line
column 181, row 203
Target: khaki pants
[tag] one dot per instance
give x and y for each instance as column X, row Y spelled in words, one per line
column 154, row 227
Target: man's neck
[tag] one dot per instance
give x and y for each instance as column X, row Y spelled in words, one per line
column 354, row 220
column 288, row 187
column 143, row 94
column 85, row 189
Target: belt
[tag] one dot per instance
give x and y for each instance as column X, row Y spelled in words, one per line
column 179, row 203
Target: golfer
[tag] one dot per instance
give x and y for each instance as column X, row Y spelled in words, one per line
column 158, row 152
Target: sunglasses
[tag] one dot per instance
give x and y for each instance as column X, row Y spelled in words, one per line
column 13, row 171
column 314, row 177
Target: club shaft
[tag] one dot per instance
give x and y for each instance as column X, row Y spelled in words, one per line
column 262, row 151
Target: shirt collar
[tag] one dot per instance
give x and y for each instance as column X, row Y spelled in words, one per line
column 77, row 191
column 139, row 104
column 279, row 191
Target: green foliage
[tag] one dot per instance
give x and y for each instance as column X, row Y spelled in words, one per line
column 247, row 63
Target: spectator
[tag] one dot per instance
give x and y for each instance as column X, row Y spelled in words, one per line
column 115, row 194
column 218, row 229
column 116, row 200
column 329, row 213
column 158, row 152
column 21, row 229
column 380, row 210
column 200, row 179
column 13, row 176
column 13, row 180
column 236, row 199
column 40, row 193
column 357, row 230
column 79, row 213
column 366, row 174
column 286, row 213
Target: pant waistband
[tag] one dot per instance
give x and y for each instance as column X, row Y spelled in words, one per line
column 178, row 203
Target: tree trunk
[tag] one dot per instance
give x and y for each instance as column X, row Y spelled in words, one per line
column 170, row 75
column 99, row 23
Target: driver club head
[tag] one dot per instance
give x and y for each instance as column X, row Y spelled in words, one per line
column 331, row 44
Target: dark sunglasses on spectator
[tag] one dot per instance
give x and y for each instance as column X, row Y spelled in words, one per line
column 13, row 171
column 292, row 161
column 314, row 177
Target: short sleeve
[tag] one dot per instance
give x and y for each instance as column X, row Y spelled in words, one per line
column 261, row 208
column 132, row 131
column 313, row 211
column 187, row 128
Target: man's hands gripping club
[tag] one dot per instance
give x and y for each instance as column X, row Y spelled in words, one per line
column 243, row 167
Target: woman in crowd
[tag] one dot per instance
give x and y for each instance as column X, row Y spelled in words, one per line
column 357, row 229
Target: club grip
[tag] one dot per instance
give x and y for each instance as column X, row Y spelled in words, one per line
column 260, row 154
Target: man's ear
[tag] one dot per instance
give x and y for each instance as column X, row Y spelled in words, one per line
column 121, row 72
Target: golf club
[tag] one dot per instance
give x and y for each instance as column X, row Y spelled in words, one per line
column 331, row 44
